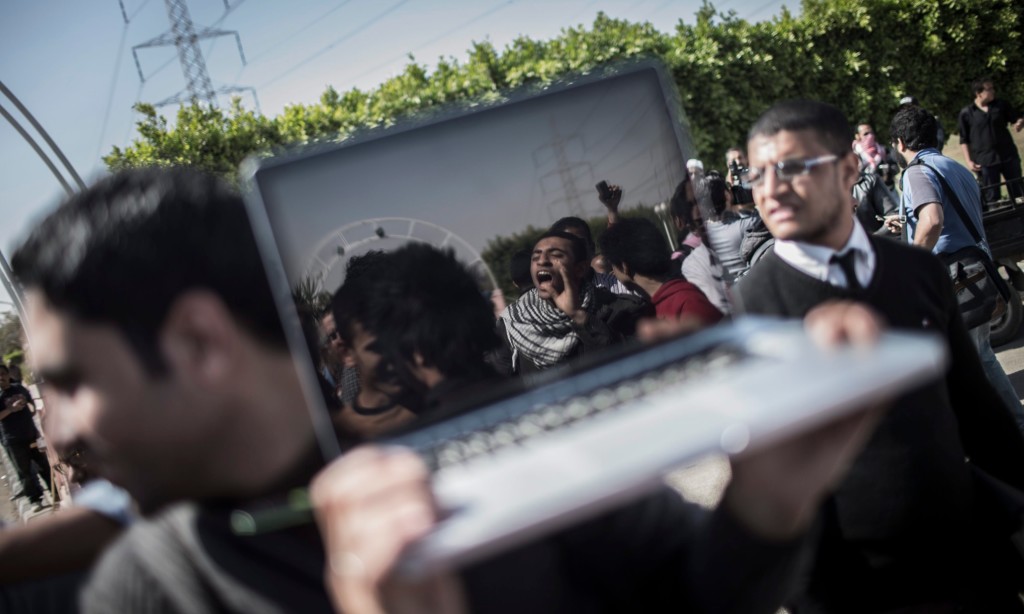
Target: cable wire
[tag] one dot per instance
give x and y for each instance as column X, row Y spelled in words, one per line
column 113, row 86
column 334, row 44
column 445, row 34
column 302, row 29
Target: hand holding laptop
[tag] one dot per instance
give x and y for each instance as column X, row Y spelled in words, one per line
column 374, row 502
column 369, row 505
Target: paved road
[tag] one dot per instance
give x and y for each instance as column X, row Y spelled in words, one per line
column 1011, row 356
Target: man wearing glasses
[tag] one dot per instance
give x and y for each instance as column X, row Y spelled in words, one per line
column 988, row 148
column 880, row 549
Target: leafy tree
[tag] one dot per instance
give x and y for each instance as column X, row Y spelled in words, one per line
column 12, row 338
column 861, row 55
column 202, row 136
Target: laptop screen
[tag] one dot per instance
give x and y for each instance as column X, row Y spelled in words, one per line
column 469, row 177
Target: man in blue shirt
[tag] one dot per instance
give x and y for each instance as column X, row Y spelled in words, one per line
column 933, row 222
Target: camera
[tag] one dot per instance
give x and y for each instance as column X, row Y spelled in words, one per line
column 740, row 194
column 736, row 170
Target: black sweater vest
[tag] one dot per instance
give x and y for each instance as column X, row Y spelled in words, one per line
column 896, row 528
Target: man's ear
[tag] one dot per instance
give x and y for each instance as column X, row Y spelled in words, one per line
column 199, row 338
column 849, row 170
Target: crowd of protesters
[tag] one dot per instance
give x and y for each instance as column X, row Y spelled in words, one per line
column 183, row 392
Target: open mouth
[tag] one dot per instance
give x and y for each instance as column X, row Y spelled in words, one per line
column 544, row 277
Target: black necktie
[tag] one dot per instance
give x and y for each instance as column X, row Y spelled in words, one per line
column 845, row 263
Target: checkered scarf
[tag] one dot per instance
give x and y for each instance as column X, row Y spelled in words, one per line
column 540, row 331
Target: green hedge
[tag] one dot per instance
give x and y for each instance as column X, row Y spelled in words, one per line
column 861, row 55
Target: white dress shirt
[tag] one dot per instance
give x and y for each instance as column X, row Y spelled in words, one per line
column 815, row 260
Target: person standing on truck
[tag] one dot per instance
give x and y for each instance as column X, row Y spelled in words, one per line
column 988, row 148
column 933, row 223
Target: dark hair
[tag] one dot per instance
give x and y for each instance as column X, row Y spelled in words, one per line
column 580, row 251
column 421, row 300
column 347, row 299
column 638, row 243
column 4, row 368
column 311, row 333
column 123, row 250
column 678, row 205
column 916, row 127
column 978, row 85
column 574, row 222
column 519, row 269
column 825, row 120
column 716, row 188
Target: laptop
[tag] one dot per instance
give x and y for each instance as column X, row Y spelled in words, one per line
column 573, row 441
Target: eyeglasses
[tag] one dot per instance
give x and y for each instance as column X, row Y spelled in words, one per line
column 786, row 170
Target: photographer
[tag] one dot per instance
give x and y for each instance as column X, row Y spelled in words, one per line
column 736, row 162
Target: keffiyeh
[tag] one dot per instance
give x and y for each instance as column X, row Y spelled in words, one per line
column 540, row 331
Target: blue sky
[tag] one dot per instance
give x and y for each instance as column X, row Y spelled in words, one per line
column 70, row 62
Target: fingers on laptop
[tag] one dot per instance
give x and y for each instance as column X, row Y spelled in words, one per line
column 370, row 505
column 835, row 322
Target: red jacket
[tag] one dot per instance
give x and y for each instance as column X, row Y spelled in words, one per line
column 678, row 297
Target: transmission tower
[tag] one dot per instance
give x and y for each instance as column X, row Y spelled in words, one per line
column 564, row 153
column 185, row 37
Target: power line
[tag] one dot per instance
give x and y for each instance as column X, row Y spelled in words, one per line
column 209, row 48
column 113, row 86
column 337, row 42
column 213, row 42
column 445, row 34
column 138, row 10
column 284, row 39
column 185, row 38
column 761, row 8
column 131, row 125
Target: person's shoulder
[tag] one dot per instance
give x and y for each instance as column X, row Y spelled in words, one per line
column 969, row 110
column 610, row 305
column 158, row 532
column 903, row 253
column 949, row 167
column 763, row 273
column 127, row 576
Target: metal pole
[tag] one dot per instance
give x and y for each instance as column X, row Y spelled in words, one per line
column 9, row 283
column 39, row 150
column 46, row 137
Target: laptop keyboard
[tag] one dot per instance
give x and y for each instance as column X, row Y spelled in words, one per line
column 486, row 434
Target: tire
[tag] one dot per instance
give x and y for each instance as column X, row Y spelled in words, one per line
column 1005, row 329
